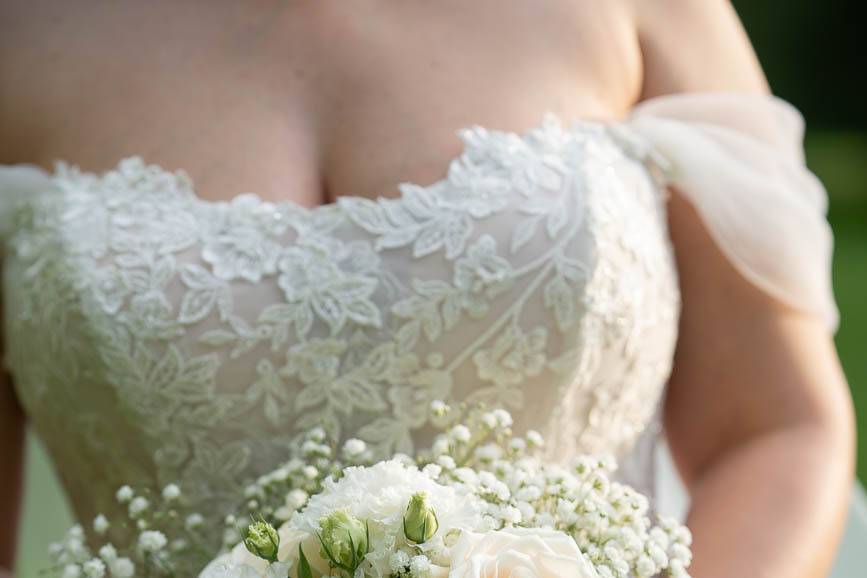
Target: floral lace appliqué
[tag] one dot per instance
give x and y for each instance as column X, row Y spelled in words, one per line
column 157, row 335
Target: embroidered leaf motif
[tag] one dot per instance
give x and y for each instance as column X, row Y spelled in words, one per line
column 196, row 305
column 364, row 312
column 560, row 297
column 424, row 310
column 366, row 213
column 523, row 233
column 166, row 371
column 419, row 201
column 457, row 233
column 407, row 336
column 197, row 277
column 429, row 241
column 411, row 307
column 451, row 310
column 418, row 220
column 303, row 321
column 556, row 220
column 136, row 280
column 220, row 460
column 432, row 324
column 310, row 396
column 278, row 314
column 163, row 271
column 431, row 287
column 217, row 338
column 330, row 309
column 270, row 389
column 396, row 238
column 388, row 435
column 378, row 361
column 355, row 391
column 281, row 317
column 195, row 382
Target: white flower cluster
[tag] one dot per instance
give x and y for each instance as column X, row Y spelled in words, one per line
column 147, row 550
column 285, row 490
column 73, row 559
column 608, row 520
column 480, row 498
column 487, row 495
column 379, row 495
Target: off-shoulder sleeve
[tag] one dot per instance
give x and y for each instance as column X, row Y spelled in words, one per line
column 19, row 182
column 738, row 158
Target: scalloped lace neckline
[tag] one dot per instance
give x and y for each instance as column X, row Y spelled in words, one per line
column 551, row 125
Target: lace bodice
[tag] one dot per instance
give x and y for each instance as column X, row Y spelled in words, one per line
column 157, row 337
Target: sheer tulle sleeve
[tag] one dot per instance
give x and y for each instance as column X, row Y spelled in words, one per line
column 738, row 158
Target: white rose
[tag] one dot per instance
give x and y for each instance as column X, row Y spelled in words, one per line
column 519, row 553
column 223, row 567
column 291, row 538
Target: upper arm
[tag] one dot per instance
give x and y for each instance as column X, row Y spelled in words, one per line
column 11, row 464
column 745, row 362
column 695, row 45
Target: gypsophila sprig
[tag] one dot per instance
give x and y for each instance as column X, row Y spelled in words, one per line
column 478, row 496
column 137, row 542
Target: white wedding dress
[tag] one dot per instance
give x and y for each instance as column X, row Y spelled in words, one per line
column 158, row 337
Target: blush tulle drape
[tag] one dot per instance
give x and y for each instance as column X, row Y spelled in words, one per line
column 739, row 159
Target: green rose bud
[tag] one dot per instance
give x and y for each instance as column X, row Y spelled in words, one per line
column 420, row 521
column 343, row 540
column 262, row 540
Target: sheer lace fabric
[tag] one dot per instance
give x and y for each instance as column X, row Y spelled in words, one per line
column 156, row 337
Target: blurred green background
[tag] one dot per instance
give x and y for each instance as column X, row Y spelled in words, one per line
column 809, row 54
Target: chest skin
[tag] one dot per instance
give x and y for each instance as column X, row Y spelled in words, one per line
column 300, row 100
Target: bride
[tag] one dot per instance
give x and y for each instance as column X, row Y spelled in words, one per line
column 223, row 224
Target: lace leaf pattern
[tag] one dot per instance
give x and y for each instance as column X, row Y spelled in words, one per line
column 154, row 333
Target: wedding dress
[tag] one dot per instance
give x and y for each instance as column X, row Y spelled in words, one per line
column 156, row 337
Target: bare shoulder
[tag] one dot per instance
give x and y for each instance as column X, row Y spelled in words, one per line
column 695, row 45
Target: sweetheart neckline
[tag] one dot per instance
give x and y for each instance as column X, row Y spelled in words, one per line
column 646, row 151
column 549, row 119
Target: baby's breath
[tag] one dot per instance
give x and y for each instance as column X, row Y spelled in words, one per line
column 474, row 452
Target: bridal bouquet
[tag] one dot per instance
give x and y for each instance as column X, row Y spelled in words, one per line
column 480, row 503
